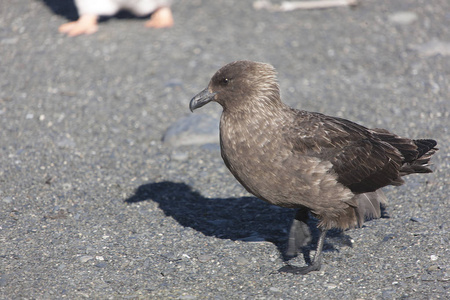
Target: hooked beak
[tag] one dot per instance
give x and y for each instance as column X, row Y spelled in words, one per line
column 201, row 99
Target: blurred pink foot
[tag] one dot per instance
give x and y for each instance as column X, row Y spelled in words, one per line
column 86, row 24
column 160, row 18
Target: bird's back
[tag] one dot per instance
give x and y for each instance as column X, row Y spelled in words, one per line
column 364, row 159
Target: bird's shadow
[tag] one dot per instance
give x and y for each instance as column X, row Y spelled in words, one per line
column 246, row 218
column 68, row 10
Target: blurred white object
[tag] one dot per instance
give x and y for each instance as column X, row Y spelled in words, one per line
column 292, row 5
column 90, row 10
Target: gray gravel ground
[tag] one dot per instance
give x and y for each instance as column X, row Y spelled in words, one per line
column 93, row 204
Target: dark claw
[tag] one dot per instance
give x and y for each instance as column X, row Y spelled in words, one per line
column 300, row 270
column 316, row 263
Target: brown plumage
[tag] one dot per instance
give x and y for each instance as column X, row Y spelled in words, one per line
column 329, row 166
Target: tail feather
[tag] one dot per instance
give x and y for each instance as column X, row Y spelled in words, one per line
column 407, row 147
column 423, row 146
column 425, row 149
column 416, row 156
column 416, row 153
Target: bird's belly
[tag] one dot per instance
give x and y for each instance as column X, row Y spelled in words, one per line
column 282, row 178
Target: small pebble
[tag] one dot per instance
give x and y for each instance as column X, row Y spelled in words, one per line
column 403, row 17
column 3, row 280
column 9, row 41
column 179, row 156
column 7, row 199
column 434, row 257
column 242, row 261
column 426, row 277
column 387, row 294
column 204, row 258
column 66, row 143
column 388, row 237
column 187, row 297
column 433, row 268
column 168, row 271
column 433, row 47
column 417, row 219
column 86, row 258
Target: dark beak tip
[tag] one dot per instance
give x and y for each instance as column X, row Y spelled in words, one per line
column 201, row 99
column 193, row 104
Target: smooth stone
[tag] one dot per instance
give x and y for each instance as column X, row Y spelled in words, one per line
column 433, row 47
column 7, row 199
column 86, row 258
column 204, row 258
column 403, row 17
column 417, row 219
column 242, row 261
column 66, row 143
column 196, row 129
column 179, row 156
